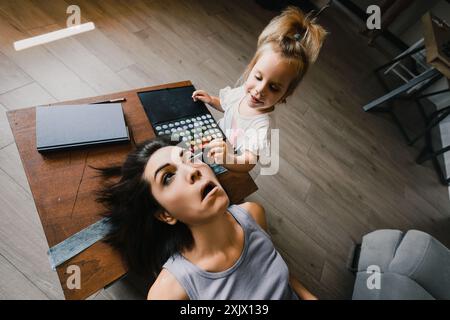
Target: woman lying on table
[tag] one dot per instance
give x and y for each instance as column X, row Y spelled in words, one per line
column 172, row 218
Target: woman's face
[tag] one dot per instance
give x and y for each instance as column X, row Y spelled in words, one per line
column 188, row 190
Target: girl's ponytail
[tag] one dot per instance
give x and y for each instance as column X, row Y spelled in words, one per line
column 296, row 35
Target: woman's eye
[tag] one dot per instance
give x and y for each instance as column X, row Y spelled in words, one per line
column 274, row 88
column 258, row 77
column 167, row 178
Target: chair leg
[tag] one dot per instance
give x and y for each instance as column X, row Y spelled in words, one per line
column 428, row 154
column 353, row 258
column 432, row 122
column 402, row 56
column 432, row 94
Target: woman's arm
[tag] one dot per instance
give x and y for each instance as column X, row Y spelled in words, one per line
column 300, row 290
column 166, row 287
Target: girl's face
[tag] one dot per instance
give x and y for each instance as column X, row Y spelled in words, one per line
column 268, row 80
column 187, row 189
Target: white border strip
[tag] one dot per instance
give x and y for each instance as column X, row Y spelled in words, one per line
column 53, row 36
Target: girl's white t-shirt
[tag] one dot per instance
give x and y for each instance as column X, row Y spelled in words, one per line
column 250, row 133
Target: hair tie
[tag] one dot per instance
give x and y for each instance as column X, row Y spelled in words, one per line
column 317, row 14
column 297, row 37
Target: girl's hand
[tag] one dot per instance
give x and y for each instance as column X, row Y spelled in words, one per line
column 220, row 151
column 202, row 95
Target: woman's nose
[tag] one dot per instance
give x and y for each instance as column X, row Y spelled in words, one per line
column 193, row 173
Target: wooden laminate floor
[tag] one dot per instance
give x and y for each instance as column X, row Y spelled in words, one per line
column 342, row 173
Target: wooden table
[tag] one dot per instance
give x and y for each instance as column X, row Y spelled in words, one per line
column 63, row 188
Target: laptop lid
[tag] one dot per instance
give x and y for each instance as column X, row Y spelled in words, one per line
column 66, row 126
column 170, row 104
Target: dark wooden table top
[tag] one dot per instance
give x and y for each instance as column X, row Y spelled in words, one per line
column 63, row 187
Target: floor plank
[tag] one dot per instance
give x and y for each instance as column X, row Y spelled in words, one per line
column 30, row 95
column 6, row 136
column 24, row 15
column 338, row 279
column 56, row 78
column 16, row 286
column 135, row 77
column 123, row 289
column 101, row 295
column 12, row 76
column 83, row 63
column 22, row 240
column 11, row 164
column 343, row 172
column 106, row 50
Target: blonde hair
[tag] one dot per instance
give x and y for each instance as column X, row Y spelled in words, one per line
column 296, row 37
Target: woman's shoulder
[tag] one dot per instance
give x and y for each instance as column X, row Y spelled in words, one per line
column 257, row 212
column 166, row 287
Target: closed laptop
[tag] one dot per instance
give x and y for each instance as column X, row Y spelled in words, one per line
column 71, row 126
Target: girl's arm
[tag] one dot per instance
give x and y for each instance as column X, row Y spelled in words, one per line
column 206, row 98
column 215, row 103
column 300, row 290
column 223, row 154
column 241, row 163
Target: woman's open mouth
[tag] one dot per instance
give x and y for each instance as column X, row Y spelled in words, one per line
column 208, row 190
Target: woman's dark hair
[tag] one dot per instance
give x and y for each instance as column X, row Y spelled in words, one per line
column 144, row 241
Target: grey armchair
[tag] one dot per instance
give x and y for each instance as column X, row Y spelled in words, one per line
column 411, row 266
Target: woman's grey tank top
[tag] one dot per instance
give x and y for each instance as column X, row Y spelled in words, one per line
column 259, row 273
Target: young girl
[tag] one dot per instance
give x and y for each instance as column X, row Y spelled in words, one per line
column 171, row 219
column 288, row 45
